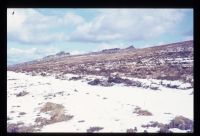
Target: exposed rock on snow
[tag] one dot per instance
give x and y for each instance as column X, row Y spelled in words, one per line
column 182, row 123
column 22, row 113
column 178, row 122
column 80, row 121
column 19, row 127
column 118, row 80
column 22, row 93
column 130, row 130
column 40, row 121
column 75, row 78
column 94, row 82
column 141, row 112
column 94, row 129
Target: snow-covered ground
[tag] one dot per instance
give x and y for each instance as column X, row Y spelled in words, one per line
column 108, row 107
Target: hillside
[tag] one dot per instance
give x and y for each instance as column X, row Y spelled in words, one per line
column 171, row 62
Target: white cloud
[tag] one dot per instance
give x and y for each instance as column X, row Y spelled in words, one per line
column 76, row 52
column 72, row 19
column 128, row 24
column 31, row 27
column 17, row 55
column 17, row 51
column 187, row 38
column 105, row 45
column 161, row 43
column 151, row 45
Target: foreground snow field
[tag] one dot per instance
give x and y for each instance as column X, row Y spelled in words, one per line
column 111, row 108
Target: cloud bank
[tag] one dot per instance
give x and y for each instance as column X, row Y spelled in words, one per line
column 31, row 27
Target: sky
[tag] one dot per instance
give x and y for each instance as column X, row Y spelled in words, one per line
column 38, row 32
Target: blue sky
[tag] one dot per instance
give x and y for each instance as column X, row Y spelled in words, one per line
column 35, row 33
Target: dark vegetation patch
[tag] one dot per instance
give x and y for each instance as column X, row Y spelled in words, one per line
column 12, row 111
column 169, row 85
column 43, row 74
column 100, row 82
column 20, row 86
column 178, row 122
column 40, row 121
column 182, row 123
column 60, row 93
column 19, row 127
column 61, row 77
column 80, row 121
column 8, row 118
column 94, row 82
column 154, row 87
column 51, row 95
column 12, row 79
column 16, row 106
column 94, row 129
column 75, row 78
column 141, row 112
column 130, row 130
column 22, row 113
column 115, row 79
column 145, row 131
column 167, row 113
column 23, row 93
column 111, row 80
column 75, row 90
